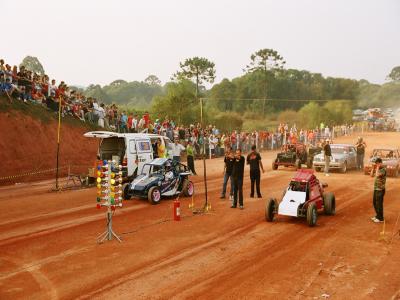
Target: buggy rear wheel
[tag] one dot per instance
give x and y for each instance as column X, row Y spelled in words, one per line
column 329, row 204
column 312, row 215
column 274, row 165
column 270, row 209
column 188, row 188
column 125, row 191
column 154, row 195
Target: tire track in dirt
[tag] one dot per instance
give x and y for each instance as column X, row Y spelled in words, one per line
column 228, row 254
column 200, row 281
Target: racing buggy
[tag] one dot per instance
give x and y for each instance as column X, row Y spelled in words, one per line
column 161, row 177
column 291, row 155
column 302, row 198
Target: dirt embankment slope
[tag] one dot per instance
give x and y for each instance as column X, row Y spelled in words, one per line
column 28, row 142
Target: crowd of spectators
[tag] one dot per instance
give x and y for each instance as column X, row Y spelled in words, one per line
column 20, row 84
column 31, row 88
column 215, row 143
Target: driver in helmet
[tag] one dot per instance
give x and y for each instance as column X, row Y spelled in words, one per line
column 169, row 174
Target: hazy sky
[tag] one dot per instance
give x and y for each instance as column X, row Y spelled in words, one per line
column 93, row 41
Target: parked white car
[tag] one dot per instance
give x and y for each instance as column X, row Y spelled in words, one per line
column 344, row 157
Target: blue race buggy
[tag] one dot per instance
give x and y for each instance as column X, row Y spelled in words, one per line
column 161, row 177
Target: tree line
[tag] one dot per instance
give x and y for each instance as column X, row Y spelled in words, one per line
column 265, row 90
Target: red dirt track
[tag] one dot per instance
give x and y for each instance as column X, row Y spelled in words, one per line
column 48, row 246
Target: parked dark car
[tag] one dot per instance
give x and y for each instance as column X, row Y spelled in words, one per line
column 291, row 155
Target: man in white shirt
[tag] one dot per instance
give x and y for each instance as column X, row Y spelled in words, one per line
column 176, row 150
column 101, row 114
column 141, row 124
column 213, row 141
column 134, row 123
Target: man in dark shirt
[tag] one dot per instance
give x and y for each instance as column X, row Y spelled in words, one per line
column 379, row 172
column 327, row 156
column 237, row 175
column 228, row 161
column 360, row 147
column 254, row 160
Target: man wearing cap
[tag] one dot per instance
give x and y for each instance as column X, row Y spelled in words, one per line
column 379, row 172
column 327, row 156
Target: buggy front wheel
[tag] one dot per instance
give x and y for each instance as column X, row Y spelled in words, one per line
column 125, row 191
column 154, row 195
column 270, row 210
column 329, row 204
column 312, row 215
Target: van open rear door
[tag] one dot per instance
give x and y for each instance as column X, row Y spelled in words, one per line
column 100, row 134
column 111, row 145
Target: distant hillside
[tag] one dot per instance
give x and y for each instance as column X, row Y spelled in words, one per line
column 135, row 93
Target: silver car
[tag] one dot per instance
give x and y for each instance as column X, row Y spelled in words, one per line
column 344, row 157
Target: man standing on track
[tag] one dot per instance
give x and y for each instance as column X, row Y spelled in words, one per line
column 360, row 147
column 228, row 166
column 190, row 157
column 327, row 156
column 379, row 172
column 237, row 175
column 254, row 160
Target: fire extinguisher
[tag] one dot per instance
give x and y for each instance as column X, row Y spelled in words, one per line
column 177, row 210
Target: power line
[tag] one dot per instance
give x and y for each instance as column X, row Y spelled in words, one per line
column 271, row 100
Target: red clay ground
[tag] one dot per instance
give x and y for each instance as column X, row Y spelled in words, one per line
column 29, row 144
column 48, row 245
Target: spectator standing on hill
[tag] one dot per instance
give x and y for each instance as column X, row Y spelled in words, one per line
column 327, row 156
column 2, row 67
column 101, row 115
column 379, row 172
column 124, row 122
column 237, row 175
column 134, row 123
column 176, row 149
column 190, row 156
column 129, row 123
column 95, row 114
column 142, row 124
column 228, row 166
column 254, row 160
column 360, row 148
column 51, row 92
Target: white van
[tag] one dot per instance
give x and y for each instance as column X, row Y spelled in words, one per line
column 129, row 149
